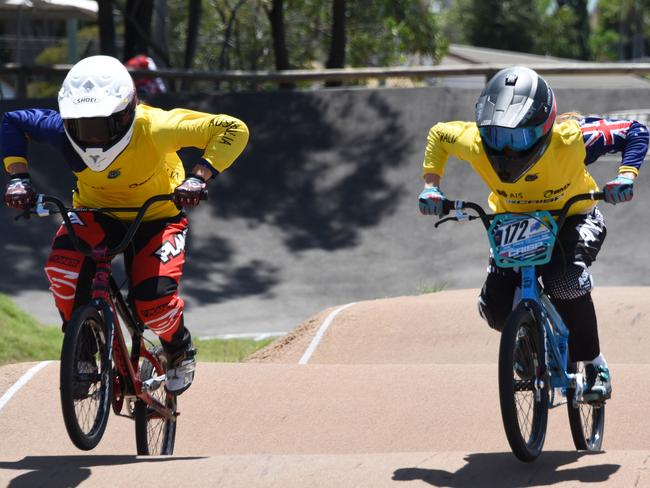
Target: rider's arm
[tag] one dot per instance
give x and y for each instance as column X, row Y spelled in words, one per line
column 431, row 180
column 445, row 139
column 21, row 126
column 629, row 137
column 222, row 137
column 202, row 171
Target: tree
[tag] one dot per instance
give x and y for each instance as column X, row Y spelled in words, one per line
column 137, row 27
column 501, row 24
column 285, row 34
column 578, row 26
column 387, row 32
column 336, row 58
column 564, row 34
column 193, row 22
column 620, row 30
column 276, row 21
column 106, row 27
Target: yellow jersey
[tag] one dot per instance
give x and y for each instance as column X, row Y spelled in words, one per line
column 558, row 175
column 150, row 166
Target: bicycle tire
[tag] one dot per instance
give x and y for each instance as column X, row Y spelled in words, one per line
column 154, row 435
column 587, row 421
column 517, row 395
column 85, row 395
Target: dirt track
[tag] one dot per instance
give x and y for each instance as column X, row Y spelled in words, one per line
column 398, row 390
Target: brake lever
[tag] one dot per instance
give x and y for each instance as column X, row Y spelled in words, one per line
column 446, row 219
column 464, row 218
column 25, row 214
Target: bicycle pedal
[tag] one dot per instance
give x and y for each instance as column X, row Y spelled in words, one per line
column 154, row 383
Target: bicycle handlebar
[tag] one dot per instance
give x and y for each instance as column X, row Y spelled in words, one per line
column 458, row 205
column 83, row 248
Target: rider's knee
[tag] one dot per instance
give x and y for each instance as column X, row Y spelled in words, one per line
column 493, row 318
column 158, row 305
column 574, row 282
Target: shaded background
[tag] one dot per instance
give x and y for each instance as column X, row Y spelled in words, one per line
column 321, row 208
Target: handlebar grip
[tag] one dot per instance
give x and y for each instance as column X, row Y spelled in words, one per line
column 447, row 206
column 204, row 195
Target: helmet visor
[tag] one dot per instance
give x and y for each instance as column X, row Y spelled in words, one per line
column 94, row 131
column 100, row 131
column 518, row 139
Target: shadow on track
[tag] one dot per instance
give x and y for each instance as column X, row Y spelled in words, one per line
column 70, row 471
column 503, row 470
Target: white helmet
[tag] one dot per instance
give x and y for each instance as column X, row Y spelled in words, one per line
column 97, row 104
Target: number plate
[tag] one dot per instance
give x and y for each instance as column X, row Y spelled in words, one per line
column 522, row 240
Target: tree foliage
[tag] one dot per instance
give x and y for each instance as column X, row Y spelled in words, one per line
column 621, row 31
column 501, row 24
column 611, row 30
column 236, row 34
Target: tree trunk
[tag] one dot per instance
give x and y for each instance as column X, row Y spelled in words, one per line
column 137, row 27
column 276, row 20
column 159, row 34
column 337, row 47
column 193, row 22
column 106, row 27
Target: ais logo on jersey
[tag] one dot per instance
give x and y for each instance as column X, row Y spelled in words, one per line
column 171, row 248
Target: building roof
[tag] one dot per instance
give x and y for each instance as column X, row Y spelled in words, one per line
column 463, row 55
column 48, row 9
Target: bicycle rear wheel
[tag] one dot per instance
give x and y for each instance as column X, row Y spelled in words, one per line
column 587, row 421
column 154, row 434
column 85, row 378
column 522, row 393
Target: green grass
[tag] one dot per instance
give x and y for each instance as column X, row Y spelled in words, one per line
column 23, row 338
column 227, row 350
column 431, row 288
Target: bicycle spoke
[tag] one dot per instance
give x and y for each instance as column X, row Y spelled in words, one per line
column 155, row 432
column 85, row 379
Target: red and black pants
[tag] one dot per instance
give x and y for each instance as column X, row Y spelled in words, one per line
column 153, row 263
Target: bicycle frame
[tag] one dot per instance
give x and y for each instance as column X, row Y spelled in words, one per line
column 556, row 334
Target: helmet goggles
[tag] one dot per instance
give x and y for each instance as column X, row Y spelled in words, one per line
column 99, row 131
column 518, row 139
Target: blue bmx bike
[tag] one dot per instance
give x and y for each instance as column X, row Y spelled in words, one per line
column 535, row 372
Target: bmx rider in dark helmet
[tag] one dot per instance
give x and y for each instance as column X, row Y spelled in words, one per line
column 122, row 153
column 531, row 161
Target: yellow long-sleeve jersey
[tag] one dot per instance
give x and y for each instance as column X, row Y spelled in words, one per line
column 557, row 176
column 148, row 166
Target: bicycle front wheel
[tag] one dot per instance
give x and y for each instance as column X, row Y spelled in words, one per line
column 523, row 391
column 587, row 421
column 154, row 434
column 85, row 378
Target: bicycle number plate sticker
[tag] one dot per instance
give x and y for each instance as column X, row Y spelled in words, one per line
column 522, row 239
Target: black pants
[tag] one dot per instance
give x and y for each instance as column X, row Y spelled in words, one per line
column 566, row 279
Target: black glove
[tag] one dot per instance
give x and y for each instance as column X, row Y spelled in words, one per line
column 189, row 193
column 20, row 193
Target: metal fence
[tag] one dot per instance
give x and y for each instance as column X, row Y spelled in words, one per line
column 23, row 74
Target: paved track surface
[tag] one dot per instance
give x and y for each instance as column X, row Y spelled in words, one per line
column 399, row 392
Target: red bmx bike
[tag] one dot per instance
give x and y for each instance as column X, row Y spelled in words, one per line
column 97, row 370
